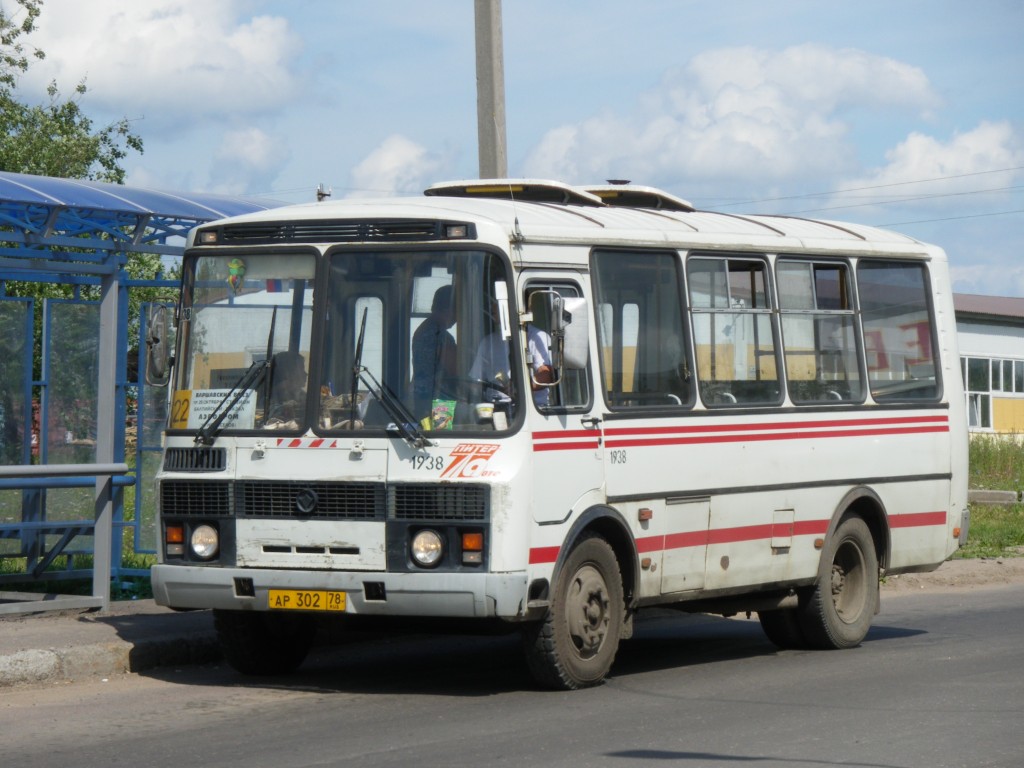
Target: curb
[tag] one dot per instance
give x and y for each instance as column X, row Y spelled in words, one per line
column 993, row 497
column 105, row 659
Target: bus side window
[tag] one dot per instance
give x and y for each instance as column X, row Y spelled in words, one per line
column 819, row 332
column 899, row 330
column 573, row 390
column 733, row 329
column 644, row 355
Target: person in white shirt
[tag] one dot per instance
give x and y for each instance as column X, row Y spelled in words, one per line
column 493, row 362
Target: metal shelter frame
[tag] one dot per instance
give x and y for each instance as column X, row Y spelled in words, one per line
column 81, row 232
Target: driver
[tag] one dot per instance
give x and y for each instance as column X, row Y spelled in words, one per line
column 493, row 364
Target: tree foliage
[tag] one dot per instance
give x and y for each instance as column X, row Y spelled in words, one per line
column 55, row 138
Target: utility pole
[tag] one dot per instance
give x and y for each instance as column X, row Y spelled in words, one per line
column 490, row 90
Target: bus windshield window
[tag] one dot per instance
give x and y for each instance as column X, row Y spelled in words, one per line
column 424, row 337
column 246, row 323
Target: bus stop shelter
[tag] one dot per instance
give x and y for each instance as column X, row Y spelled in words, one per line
column 79, row 233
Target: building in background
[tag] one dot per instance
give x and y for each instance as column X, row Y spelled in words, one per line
column 991, row 335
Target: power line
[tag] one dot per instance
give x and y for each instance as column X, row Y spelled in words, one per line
column 948, row 218
column 874, row 186
column 907, row 199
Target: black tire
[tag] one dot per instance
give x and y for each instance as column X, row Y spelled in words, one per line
column 576, row 642
column 257, row 643
column 782, row 627
column 844, row 601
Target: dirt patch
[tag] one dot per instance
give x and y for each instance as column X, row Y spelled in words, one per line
column 981, row 573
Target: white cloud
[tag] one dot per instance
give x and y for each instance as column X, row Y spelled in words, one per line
column 991, row 150
column 174, row 61
column 737, row 113
column 397, row 166
column 247, row 162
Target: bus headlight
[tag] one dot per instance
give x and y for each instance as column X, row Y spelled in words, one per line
column 427, row 548
column 205, row 542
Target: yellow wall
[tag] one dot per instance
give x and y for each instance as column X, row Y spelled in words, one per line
column 1007, row 414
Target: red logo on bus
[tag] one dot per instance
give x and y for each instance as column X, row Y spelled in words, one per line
column 470, row 459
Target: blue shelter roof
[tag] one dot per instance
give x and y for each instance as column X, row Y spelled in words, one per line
column 42, row 216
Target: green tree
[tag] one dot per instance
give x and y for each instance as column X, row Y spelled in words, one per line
column 56, row 138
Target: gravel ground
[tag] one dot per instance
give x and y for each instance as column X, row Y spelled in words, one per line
column 981, row 573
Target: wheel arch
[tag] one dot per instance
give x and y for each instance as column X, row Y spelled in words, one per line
column 864, row 503
column 608, row 523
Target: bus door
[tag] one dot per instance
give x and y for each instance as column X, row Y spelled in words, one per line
column 648, row 392
column 568, row 461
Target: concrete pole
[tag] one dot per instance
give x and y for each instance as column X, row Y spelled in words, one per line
column 490, row 90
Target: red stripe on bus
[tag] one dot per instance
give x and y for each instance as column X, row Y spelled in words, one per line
column 917, row 520
column 767, row 437
column 650, row 544
column 590, row 446
column 764, row 426
column 562, row 434
column 743, row 533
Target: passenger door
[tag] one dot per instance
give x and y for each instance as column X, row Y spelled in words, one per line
column 566, row 432
column 648, row 393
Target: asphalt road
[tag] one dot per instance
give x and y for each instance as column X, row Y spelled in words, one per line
column 938, row 683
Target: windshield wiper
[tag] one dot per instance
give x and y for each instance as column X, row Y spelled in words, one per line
column 248, row 380
column 403, row 422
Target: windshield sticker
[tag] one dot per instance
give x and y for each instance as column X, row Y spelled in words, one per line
column 193, row 407
column 236, row 274
column 470, row 460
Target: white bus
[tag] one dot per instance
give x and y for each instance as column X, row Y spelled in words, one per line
column 551, row 407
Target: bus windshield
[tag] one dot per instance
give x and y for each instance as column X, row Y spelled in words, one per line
column 246, row 324
column 428, row 330
column 418, row 341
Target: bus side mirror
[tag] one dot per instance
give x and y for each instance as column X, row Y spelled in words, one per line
column 158, row 356
column 565, row 320
column 575, row 333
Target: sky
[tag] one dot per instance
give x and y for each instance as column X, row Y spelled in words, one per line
column 904, row 114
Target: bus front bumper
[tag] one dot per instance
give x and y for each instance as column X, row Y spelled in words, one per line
column 457, row 595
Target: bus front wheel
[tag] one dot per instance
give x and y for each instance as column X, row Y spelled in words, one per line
column 576, row 642
column 839, row 611
column 257, row 643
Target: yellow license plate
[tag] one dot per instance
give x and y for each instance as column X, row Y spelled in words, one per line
column 306, row 600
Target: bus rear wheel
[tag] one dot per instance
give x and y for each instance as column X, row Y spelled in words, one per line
column 257, row 643
column 839, row 611
column 575, row 644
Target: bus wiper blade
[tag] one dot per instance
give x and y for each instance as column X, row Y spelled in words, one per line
column 403, row 421
column 210, row 428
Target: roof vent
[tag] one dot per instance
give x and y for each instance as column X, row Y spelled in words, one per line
column 520, row 190
column 628, row 196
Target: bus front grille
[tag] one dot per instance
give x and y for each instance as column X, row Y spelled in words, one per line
column 317, row 500
column 267, row 499
column 430, row 501
column 188, row 497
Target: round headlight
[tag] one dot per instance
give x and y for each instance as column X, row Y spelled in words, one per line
column 205, row 541
column 427, row 548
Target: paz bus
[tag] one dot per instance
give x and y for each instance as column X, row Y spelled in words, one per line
column 550, row 407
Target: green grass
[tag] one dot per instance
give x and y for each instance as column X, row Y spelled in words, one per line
column 996, row 464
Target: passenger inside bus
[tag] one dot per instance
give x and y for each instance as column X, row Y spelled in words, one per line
column 433, row 350
column 287, row 390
